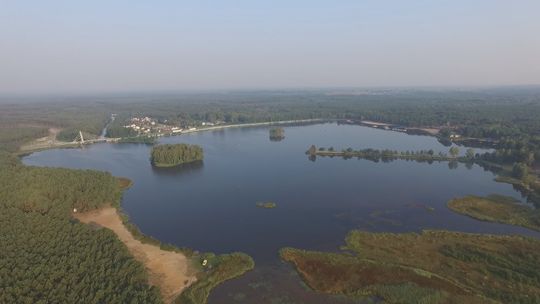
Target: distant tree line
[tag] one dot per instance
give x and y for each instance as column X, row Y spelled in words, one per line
column 389, row 155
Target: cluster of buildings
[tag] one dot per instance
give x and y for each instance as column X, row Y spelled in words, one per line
column 151, row 126
column 143, row 125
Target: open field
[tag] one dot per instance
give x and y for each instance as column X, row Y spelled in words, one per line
column 46, row 142
column 431, row 267
column 170, row 271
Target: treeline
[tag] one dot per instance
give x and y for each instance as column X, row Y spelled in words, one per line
column 116, row 128
column 494, row 113
column 12, row 137
column 116, row 131
column 48, row 257
column 389, row 155
column 172, row 155
column 22, row 122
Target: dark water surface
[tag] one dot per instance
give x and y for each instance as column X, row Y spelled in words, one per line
column 212, row 207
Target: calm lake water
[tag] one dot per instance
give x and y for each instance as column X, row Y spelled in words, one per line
column 212, row 207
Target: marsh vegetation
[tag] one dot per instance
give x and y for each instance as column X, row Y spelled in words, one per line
column 497, row 208
column 266, row 205
column 215, row 269
column 430, row 267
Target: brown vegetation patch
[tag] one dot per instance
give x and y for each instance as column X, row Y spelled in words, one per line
column 347, row 274
column 438, row 266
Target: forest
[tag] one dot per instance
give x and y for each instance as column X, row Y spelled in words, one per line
column 169, row 155
column 48, row 257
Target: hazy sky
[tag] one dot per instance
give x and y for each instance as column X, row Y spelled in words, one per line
column 95, row 46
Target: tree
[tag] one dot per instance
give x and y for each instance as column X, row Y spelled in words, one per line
column 520, row 170
column 454, row 151
column 470, row 153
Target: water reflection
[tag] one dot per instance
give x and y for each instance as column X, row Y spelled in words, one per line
column 183, row 169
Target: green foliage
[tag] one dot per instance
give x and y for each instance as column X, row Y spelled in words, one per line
column 116, row 131
column 497, row 208
column 46, row 256
column 520, row 171
column 217, row 270
column 410, row 294
column 454, row 151
column 68, row 134
column 173, row 155
column 384, row 155
column 11, row 137
column 470, row 153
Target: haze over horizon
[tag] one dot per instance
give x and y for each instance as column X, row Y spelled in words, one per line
column 100, row 46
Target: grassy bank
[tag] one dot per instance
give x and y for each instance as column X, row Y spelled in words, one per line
column 216, row 270
column 431, row 267
column 496, row 208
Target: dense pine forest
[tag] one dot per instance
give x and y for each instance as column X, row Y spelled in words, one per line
column 48, row 257
column 174, row 155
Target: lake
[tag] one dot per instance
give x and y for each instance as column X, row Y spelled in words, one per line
column 212, row 207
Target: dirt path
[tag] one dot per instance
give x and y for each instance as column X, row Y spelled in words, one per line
column 170, row 271
column 46, row 142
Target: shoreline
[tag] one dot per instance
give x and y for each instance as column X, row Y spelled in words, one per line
column 67, row 145
column 172, row 272
column 256, row 124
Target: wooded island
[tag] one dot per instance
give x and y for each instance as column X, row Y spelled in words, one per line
column 277, row 134
column 169, row 155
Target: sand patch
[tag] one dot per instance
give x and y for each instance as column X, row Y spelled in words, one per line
column 170, row 271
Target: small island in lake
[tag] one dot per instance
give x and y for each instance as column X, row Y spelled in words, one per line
column 169, row 155
column 266, row 205
column 277, row 134
column 497, row 208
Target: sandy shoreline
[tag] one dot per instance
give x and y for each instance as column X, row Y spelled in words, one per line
column 170, row 271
